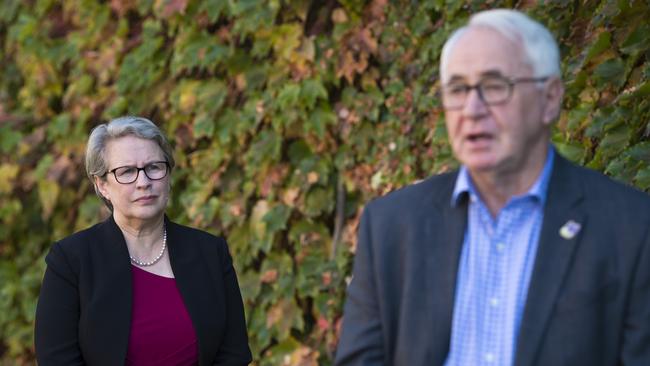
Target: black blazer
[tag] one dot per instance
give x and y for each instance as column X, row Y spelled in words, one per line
column 588, row 300
column 84, row 309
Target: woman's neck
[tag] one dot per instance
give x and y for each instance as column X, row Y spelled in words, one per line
column 138, row 233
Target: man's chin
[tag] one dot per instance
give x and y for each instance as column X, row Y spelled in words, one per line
column 483, row 164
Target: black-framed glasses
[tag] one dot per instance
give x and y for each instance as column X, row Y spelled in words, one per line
column 492, row 90
column 128, row 174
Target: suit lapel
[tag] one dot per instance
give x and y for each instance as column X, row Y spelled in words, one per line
column 554, row 257
column 445, row 241
column 115, row 269
column 191, row 274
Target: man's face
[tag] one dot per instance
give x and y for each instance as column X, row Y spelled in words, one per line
column 503, row 138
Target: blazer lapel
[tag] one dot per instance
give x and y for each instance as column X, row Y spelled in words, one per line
column 191, row 273
column 115, row 268
column 554, row 256
column 445, row 242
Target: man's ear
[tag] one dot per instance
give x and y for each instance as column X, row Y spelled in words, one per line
column 101, row 187
column 553, row 94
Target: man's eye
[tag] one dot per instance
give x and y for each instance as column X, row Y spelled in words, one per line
column 494, row 86
column 154, row 167
column 457, row 89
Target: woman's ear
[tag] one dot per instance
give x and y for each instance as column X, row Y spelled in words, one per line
column 553, row 94
column 101, row 187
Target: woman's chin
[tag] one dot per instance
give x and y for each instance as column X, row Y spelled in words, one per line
column 147, row 213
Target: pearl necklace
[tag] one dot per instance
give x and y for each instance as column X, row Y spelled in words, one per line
column 155, row 260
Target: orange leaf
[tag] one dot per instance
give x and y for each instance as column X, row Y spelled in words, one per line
column 171, row 7
column 269, row 276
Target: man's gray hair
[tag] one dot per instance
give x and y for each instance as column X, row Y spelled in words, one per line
column 96, row 165
column 541, row 51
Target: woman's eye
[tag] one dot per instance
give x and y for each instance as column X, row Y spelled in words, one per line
column 126, row 171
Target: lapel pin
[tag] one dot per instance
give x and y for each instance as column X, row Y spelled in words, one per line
column 570, row 229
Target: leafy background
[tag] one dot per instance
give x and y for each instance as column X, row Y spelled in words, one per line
column 286, row 116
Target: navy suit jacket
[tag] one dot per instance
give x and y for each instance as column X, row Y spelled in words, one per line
column 589, row 297
column 83, row 315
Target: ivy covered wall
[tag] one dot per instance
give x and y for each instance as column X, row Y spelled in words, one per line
column 286, row 117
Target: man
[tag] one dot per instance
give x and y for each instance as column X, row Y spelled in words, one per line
column 520, row 257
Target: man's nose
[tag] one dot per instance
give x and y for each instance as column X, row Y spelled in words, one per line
column 474, row 106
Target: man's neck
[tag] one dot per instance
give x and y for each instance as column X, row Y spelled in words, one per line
column 496, row 188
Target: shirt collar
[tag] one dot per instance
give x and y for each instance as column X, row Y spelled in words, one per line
column 538, row 190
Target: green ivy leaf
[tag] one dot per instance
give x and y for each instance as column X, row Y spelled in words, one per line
column 143, row 66
column 9, row 139
column 280, row 353
column 203, row 126
column 615, row 142
column 319, row 200
column 288, row 96
column 602, row 120
column 311, row 91
column 9, row 212
column 8, row 173
column 215, row 9
column 48, row 193
column 319, row 119
column 601, row 44
column 265, row 148
column 573, row 152
column 60, row 127
column 637, row 41
column 577, row 116
column 250, row 285
column 610, row 72
column 198, row 49
column 640, row 151
column 642, row 178
column 276, row 219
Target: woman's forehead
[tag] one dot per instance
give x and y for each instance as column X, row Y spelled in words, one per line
column 132, row 150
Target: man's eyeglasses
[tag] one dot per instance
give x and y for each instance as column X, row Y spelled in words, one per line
column 492, row 90
column 128, row 174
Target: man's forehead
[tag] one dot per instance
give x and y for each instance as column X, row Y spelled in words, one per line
column 482, row 52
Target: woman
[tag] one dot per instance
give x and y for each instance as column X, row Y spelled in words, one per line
column 138, row 289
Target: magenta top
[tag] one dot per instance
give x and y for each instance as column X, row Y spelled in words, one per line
column 161, row 329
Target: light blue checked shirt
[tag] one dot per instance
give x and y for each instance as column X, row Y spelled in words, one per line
column 495, row 267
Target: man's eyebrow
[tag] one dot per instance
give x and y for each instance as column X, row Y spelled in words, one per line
column 484, row 74
column 456, row 78
column 491, row 73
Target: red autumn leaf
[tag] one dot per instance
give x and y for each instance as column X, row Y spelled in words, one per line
column 171, row 7
column 323, row 323
column 121, row 7
column 269, row 276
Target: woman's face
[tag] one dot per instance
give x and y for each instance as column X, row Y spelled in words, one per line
column 144, row 199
